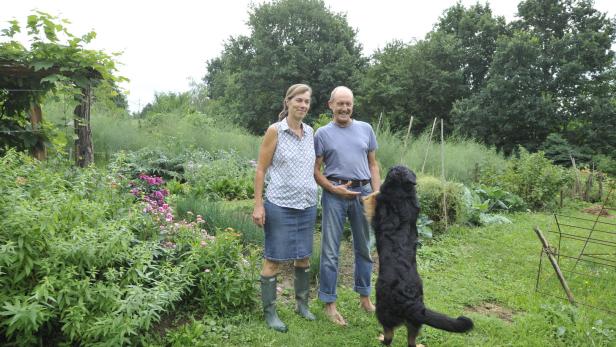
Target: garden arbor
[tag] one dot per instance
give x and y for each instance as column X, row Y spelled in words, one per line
column 54, row 58
column 21, row 88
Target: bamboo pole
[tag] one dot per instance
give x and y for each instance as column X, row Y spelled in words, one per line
column 443, row 175
column 378, row 125
column 406, row 138
column 428, row 147
column 577, row 187
column 559, row 274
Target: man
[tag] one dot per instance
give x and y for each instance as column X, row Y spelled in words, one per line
column 347, row 148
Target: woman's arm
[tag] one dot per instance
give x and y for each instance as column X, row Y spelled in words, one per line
column 266, row 153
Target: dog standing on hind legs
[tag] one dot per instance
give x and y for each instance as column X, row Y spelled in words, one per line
column 399, row 291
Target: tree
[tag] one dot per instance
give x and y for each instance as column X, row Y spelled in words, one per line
column 476, row 31
column 421, row 80
column 291, row 41
column 509, row 110
column 425, row 78
column 554, row 75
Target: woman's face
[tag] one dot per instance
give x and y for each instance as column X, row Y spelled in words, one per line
column 299, row 105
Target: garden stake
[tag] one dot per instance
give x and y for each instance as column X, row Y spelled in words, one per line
column 428, row 147
column 408, row 132
column 559, row 274
column 443, row 175
column 378, row 125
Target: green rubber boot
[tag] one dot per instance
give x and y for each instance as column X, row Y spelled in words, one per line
column 268, row 297
column 302, row 288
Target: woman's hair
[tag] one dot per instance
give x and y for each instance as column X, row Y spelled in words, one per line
column 293, row 90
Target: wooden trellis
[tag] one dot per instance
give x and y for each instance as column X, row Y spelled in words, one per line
column 18, row 78
column 583, row 256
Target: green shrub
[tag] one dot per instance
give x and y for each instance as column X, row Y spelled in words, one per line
column 430, row 191
column 227, row 280
column 605, row 164
column 226, row 176
column 151, row 161
column 533, row 177
column 84, row 262
column 79, row 263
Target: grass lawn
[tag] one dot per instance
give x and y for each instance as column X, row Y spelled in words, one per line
column 485, row 273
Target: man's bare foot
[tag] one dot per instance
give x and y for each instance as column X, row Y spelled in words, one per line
column 332, row 313
column 366, row 304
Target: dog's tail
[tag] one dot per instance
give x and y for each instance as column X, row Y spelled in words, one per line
column 443, row 322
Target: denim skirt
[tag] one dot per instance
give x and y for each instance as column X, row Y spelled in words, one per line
column 288, row 232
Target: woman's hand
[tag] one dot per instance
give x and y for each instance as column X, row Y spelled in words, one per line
column 258, row 216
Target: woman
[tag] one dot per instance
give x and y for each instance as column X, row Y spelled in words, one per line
column 289, row 211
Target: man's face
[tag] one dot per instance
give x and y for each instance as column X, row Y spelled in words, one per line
column 342, row 106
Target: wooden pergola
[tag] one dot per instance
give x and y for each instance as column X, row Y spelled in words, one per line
column 18, row 78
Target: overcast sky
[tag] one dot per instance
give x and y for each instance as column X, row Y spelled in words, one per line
column 165, row 44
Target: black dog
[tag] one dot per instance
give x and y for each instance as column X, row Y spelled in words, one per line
column 399, row 292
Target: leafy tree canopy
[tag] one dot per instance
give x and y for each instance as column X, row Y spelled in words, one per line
column 291, row 41
column 425, row 78
column 553, row 75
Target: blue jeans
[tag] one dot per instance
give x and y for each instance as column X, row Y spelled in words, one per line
column 335, row 211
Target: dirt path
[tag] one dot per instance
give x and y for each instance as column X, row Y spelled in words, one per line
column 345, row 273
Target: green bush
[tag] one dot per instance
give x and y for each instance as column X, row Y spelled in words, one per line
column 533, row 177
column 227, row 280
column 79, row 263
column 430, row 191
column 226, row 176
column 605, row 164
column 83, row 262
column 149, row 161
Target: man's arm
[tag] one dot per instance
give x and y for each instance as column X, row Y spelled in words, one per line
column 375, row 176
column 340, row 190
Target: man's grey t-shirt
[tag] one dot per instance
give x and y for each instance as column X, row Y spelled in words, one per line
column 345, row 149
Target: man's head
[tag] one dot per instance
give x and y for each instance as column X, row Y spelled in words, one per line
column 341, row 104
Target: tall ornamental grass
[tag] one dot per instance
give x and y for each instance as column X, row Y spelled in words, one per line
column 464, row 157
column 114, row 130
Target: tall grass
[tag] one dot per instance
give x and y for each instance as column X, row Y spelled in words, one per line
column 113, row 130
column 177, row 130
column 463, row 156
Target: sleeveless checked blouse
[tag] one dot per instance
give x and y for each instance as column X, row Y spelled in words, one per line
column 291, row 173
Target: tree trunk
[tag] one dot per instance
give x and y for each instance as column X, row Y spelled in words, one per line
column 36, row 118
column 84, row 152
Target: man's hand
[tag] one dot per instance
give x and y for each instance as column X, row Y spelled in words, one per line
column 258, row 216
column 342, row 191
